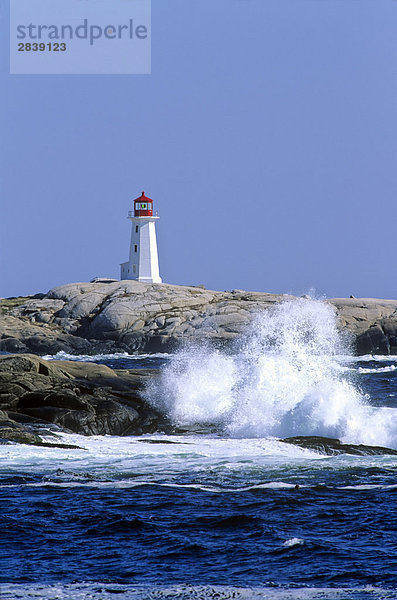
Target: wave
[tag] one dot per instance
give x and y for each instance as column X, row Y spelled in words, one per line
column 370, row 358
column 387, row 369
column 367, row 370
column 126, row 484
column 99, row 590
column 283, row 379
column 293, row 542
column 61, row 355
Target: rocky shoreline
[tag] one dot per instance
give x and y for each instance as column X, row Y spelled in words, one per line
column 109, row 316
column 78, row 397
column 39, row 397
column 129, row 316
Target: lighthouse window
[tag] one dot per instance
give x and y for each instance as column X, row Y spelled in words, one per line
column 136, row 228
column 136, row 248
column 134, row 268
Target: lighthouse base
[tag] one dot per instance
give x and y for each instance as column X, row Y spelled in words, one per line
column 127, row 272
column 150, row 280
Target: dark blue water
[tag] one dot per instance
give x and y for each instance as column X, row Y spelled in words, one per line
column 204, row 511
column 161, row 536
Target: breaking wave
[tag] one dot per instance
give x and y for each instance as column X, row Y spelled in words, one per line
column 283, row 379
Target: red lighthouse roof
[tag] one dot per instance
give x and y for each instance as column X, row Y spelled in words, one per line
column 143, row 198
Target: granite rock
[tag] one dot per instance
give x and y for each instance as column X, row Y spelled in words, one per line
column 108, row 316
column 334, row 447
column 78, row 397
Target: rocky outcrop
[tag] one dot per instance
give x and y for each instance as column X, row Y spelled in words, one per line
column 109, row 316
column 77, row 397
column 372, row 322
column 333, row 447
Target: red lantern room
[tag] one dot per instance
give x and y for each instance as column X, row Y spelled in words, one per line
column 143, row 206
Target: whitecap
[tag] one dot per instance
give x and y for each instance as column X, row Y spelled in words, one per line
column 293, row 542
column 387, row 369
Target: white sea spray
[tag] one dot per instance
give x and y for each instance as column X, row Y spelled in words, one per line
column 283, row 379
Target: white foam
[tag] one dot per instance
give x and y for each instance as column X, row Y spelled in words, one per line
column 387, row 369
column 130, row 484
column 107, row 591
column 371, row 358
column 285, row 379
column 368, row 487
column 127, row 462
column 61, row 355
column 203, row 463
column 293, row 542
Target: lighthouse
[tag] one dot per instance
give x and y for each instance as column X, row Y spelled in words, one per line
column 143, row 263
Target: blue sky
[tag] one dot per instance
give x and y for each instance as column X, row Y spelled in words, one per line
column 266, row 136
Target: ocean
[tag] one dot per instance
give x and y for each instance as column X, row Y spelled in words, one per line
column 223, row 508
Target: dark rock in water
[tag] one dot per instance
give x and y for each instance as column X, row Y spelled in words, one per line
column 373, row 341
column 159, row 442
column 332, row 447
column 58, row 445
column 84, row 398
column 13, row 432
column 10, row 431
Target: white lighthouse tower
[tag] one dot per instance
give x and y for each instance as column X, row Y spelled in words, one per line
column 143, row 263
